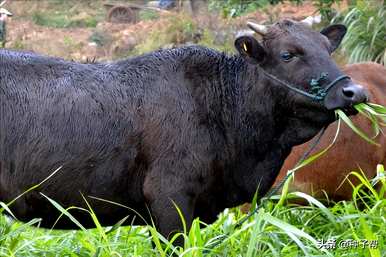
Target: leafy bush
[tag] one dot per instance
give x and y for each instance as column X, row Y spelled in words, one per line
column 41, row 19
column 366, row 36
column 101, row 38
column 63, row 20
column 233, row 8
column 147, row 15
column 325, row 8
column 176, row 30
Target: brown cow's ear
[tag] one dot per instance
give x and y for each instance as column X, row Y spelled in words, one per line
column 335, row 34
column 250, row 49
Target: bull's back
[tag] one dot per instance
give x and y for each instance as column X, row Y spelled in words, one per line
column 350, row 152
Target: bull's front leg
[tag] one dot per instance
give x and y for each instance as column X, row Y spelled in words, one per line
column 166, row 189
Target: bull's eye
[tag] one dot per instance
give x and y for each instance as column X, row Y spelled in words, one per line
column 286, row 56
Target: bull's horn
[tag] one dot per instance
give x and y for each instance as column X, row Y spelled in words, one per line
column 241, row 33
column 258, row 28
column 5, row 11
column 311, row 20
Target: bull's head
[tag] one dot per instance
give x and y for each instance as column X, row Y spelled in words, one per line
column 300, row 57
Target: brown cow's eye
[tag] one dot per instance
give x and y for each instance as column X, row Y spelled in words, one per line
column 287, row 56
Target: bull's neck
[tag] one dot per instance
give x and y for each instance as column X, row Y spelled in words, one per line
column 256, row 110
column 260, row 126
column 249, row 110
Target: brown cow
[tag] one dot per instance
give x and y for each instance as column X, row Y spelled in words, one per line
column 349, row 152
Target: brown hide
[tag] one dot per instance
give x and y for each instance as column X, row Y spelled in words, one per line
column 349, row 152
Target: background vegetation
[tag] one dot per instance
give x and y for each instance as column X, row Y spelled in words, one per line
column 366, row 37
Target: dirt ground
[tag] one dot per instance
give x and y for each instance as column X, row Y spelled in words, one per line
column 76, row 43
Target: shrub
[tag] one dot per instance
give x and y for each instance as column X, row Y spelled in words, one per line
column 63, row 20
column 234, row 8
column 365, row 39
column 147, row 15
column 176, row 30
column 101, row 38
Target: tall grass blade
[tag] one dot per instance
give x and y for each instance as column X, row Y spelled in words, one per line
column 35, row 186
column 349, row 123
column 64, row 211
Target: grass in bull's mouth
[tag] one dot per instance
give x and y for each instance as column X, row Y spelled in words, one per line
column 374, row 112
column 277, row 228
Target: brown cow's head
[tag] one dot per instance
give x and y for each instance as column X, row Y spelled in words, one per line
column 296, row 54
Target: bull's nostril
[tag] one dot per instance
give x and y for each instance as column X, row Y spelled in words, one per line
column 346, row 97
column 348, row 92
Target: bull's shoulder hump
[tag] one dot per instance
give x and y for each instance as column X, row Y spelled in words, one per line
column 168, row 56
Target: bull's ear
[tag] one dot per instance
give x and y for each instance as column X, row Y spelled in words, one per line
column 250, row 49
column 335, row 34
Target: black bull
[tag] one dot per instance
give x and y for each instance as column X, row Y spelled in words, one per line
column 188, row 125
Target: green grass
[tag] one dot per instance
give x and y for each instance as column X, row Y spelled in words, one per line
column 67, row 14
column 63, row 20
column 148, row 15
column 274, row 230
column 365, row 39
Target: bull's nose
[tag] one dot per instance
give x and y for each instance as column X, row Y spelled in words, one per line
column 354, row 94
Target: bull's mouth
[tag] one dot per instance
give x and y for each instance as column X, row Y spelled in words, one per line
column 350, row 110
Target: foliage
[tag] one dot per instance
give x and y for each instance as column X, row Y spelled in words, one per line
column 275, row 229
column 63, row 20
column 234, row 8
column 67, row 14
column 180, row 29
column 100, row 37
column 176, row 30
column 17, row 44
column 325, row 8
column 374, row 112
column 70, row 43
column 146, row 15
column 365, row 39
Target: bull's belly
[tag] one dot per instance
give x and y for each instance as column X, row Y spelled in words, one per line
column 111, row 197
column 107, row 209
column 107, row 215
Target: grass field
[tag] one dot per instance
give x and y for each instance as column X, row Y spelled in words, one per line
column 278, row 228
